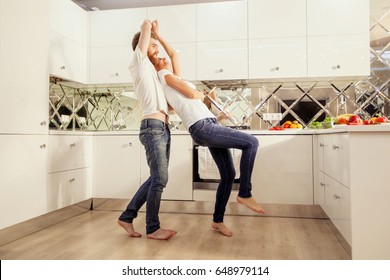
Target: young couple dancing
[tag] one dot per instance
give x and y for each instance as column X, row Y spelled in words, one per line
column 157, row 83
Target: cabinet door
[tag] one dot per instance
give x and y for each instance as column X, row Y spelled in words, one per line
column 110, row 65
column 187, row 54
column 67, row 188
column 277, row 58
column 117, row 170
column 115, row 27
column 283, row 170
column 68, row 59
column 338, row 206
column 222, row 21
column 179, row 185
column 336, row 157
column 276, row 19
column 341, row 17
column 23, row 171
column 69, row 20
column 177, row 23
column 222, row 60
column 334, row 56
column 69, row 152
column 24, row 45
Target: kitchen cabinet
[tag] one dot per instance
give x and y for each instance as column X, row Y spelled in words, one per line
column 24, row 45
column 338, row 55
column 116, row 166
column 177, row 23
column 23, row 177
column 277, row 58
column 276, row 19
column 283, row 170
column 69, row 171
column 68, row 41
column 179, row 185
column 222, row 60
column 337, row 17
column 222, row 21
column 110, row 65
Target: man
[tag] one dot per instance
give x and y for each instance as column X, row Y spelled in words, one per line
column 154, row 134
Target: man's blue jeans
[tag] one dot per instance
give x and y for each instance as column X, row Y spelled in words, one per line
column 219, row 139
column 156, row 138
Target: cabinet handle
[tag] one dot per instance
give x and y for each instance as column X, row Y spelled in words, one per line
column 43, row 123
column 117, row 74
column 219, row 70
column 335, row 147
column 277, row 68
column 322, row 145
column 72, row 180
column 322, row 184
column 72, row 145
column 130, row 144
column 43, row 146
column 62, row 67
column 335, row 197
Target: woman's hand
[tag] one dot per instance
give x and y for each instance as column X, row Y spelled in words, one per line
column 155, row 27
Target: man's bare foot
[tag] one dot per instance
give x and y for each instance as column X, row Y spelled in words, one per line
column 162, row 234
column 251, row 203
column 128, row 227
column 222, row 229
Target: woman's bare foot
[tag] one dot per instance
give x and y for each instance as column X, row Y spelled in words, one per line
column 128, row 227
column 251, row 203
column 222, row 229
column 162, row 234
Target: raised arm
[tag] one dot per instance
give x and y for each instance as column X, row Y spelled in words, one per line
column 171, row 52
column 144, row 40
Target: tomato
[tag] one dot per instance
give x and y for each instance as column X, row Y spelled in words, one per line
column 381, row 119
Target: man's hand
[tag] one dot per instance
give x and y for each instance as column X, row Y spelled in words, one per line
column 155, row 27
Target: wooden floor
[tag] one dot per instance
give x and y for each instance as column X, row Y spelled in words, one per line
column 285, row 233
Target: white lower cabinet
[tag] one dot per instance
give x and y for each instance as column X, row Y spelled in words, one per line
column 69, row 178
column 179, row 185
column 23, row 178
column 67, row 188
column 116, row 166
column 283, row 170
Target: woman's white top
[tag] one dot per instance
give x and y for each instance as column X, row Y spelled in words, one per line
column 189, row 110
column 147, row 86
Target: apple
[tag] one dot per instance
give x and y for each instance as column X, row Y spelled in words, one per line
column 381, row 119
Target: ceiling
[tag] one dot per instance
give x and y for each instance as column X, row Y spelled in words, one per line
column 124, row 4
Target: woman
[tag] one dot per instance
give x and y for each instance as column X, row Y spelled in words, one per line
column 205, row 131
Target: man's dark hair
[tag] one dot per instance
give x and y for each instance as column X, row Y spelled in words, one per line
column 136, row 39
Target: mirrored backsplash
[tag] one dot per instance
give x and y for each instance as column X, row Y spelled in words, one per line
column 245, row 104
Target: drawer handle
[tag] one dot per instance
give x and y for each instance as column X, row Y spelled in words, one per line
column 322, row 184
column 62, row 67
column 72, row 145
column 116, row 74
column 335, row 197
column 322, row 145
column 43, row 123
column 72, row 180
column 335, row 147
column 130, row 144
column 43, row 146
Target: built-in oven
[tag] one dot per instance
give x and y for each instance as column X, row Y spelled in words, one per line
column 205, row 171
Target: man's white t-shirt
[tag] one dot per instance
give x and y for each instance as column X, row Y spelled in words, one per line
column 147, row 86
column 189, row 110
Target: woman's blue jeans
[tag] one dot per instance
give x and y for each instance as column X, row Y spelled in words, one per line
column 219, row 139
column 156, row 138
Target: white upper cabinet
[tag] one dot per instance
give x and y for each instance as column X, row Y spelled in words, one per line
column 177, row 24
column 222, row 60
column 115, row 27
column 68, row 58
column 341, row 55
column 24, row 82
column 277, row 58
column 332, row 17
column 222, row 21
column 277, row 18
column 69, row 20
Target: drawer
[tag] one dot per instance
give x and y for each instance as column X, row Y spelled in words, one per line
column 68, row 187
column 69, row 152
column 338, row 206
column 336, row 157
